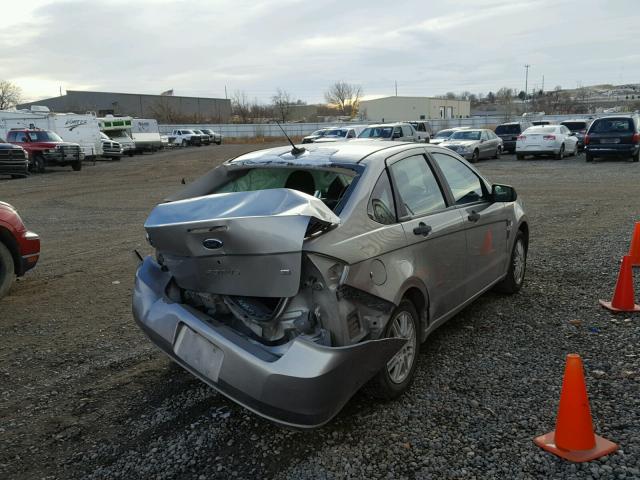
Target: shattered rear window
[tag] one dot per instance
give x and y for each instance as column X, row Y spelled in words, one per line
column 327, row 185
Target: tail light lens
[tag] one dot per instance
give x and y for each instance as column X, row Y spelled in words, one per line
column 635, row 138
column 522, row 137
column 586, row 140
column 549, row 137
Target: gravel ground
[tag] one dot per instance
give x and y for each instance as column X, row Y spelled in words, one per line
column 85, row 395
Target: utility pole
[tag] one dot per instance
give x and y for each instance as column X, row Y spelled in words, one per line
column 542, row 83
column 396, row 88
column 526, row 82
column 225, row 92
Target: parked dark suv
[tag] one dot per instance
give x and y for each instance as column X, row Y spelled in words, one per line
column 617, row 135
column 14, row 160
column 509, row 132
column 579, row 127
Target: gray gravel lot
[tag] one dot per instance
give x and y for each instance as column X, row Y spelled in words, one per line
column 83, row 394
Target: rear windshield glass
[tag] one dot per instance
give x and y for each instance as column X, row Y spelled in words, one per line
column 376, row 132
column 506, row 129
column 612, row 125
column 340, row 132
column 575, row 126
column 327, row 185
column 541, row 130
column 466, row 135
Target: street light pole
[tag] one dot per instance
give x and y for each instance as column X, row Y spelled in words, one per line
column 526, row 84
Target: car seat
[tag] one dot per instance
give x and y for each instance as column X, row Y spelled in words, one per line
column 302, row 181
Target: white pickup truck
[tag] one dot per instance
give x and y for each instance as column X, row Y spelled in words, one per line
column 184, row 137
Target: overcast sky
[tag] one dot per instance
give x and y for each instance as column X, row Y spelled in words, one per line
column 428, row 47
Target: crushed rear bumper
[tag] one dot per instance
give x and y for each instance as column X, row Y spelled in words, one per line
column 305, row 386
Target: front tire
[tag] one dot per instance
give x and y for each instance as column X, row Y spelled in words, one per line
column 37, row 166
column 636, row 157
column 77, row 165
column 7, row 270
column 475, row 156
column 575, row 150
column 588, row 157
column 497, row 155
column 398, row 374
column 512, row 283
column 520, row 156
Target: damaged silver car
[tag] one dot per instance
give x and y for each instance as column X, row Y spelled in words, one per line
column 288, row 279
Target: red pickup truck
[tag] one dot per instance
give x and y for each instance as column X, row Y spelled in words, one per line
column 19, row 248
column 46, row 148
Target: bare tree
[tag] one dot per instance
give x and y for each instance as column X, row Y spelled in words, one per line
column 10, row 94
column 282, row 104
column 240, row 106
column 345, row 96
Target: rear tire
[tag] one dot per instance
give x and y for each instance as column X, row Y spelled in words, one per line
column 512, row 283
column 519, row 156
column 588, row 157
column 397, row 376
column 636, row 157
column 7, row 270
column 560, row 154
column 77, row 165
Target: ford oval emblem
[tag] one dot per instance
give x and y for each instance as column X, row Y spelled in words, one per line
column 212, row 243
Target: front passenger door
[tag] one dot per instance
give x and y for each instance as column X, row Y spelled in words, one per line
column 486, row 223
column 434, row 232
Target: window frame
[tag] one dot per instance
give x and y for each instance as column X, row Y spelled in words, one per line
column 402, row 215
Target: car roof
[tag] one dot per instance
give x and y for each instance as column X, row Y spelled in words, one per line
column 353, row 151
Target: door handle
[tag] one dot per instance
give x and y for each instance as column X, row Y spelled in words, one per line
column 422, row 229
column 473, row 216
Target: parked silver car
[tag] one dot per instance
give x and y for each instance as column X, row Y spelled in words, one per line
column 400, row 131
column 474, row 144
column 288, row 279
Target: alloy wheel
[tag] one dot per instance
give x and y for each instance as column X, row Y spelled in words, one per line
column 400, row 365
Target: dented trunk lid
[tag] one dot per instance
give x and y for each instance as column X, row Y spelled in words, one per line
column 240, row 243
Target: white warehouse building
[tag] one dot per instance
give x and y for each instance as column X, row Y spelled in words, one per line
column 394, row 109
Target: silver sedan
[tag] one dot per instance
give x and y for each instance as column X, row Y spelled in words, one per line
column 474, row 144
column 289, row 278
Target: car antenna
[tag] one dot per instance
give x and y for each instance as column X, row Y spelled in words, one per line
column 295, row 150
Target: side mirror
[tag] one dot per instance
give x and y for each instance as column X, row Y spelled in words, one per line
column 503, row 193
column 572, row 134
column 482, row 140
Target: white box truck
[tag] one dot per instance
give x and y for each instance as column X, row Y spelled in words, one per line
column 82, row 129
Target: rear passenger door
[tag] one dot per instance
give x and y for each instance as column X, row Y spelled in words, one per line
column 434, row 231
column 486, row 147
column 485, row 223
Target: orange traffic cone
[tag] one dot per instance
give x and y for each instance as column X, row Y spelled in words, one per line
column 623, row 299
column 487, row 243
column 573, row 438
column 634, row 249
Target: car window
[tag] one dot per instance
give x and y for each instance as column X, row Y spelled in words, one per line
column 417, row 187
column 382, row 207
column 465, row 185
column 607, row 125
column 484, row 136
column 406, row 131
column 327, row 185
column 508, row 129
